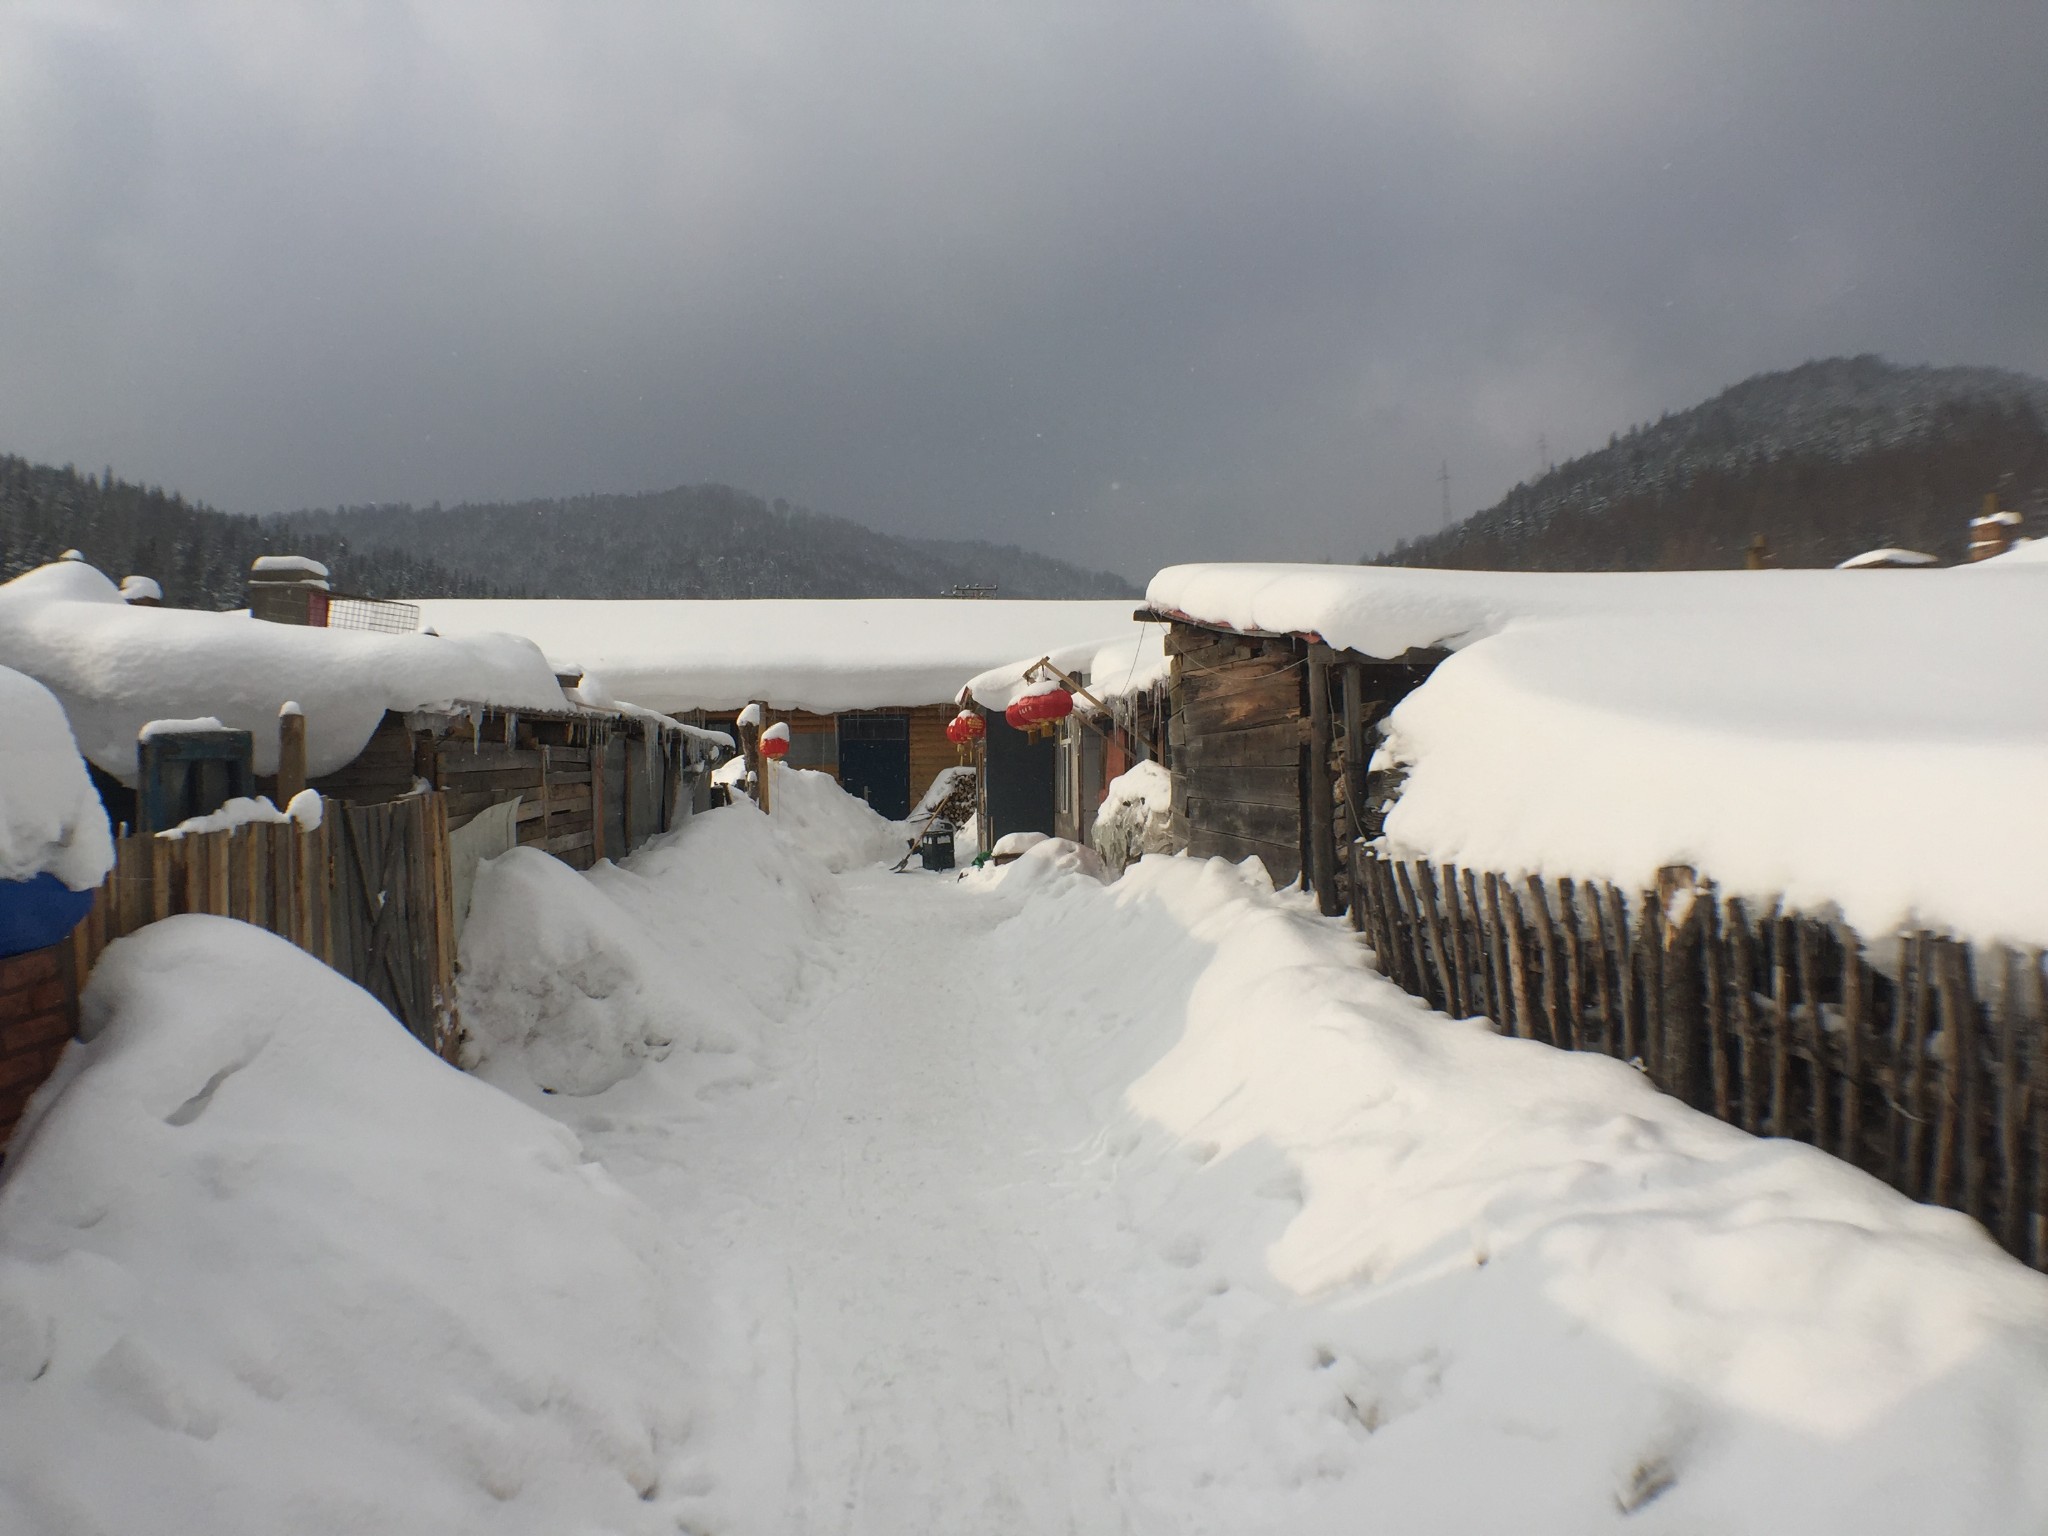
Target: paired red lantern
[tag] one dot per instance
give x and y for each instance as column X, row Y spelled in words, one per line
column 775, row 742
column 965, row 727
column 1036, row 709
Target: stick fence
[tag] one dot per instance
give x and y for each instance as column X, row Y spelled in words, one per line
column 1921, row 1059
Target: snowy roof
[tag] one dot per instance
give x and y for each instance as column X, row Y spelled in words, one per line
column 1112, row 668
column 823, row 655
column 286, row 565
column 51, row 820
column 1815, row 734
column 115, row 667
column 1888, row 556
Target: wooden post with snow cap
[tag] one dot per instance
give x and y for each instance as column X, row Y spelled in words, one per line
column 291, row 753
column 748, row 725
column 774, row 747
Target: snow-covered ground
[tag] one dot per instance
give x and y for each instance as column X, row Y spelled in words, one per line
column 1015, row 1202
column 1026, row 1203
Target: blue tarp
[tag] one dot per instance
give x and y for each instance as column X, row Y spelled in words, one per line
column 36, row 913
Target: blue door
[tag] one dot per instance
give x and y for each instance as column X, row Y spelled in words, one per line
column 874, row 760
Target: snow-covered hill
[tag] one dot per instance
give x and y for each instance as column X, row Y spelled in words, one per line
column 1825, row 460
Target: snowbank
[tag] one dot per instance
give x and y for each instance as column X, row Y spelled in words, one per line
column 266, row 1266
column 819, row 655
column 1424, row 1278
column 51, row 819
column 1130, row 661
column 116, row 667
column 1135, row 817
column 1833, row 737
column 571, row 982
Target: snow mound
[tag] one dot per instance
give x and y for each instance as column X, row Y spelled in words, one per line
column 833, row 827
column 266, row 1265
column 581, row 982
column 1413, row 1249
column 571, row 983
column 1135, row 817
column 51, row 819
column 116, row 666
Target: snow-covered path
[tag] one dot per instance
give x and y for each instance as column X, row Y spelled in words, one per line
column 906, row 1230
column 1025, row 1204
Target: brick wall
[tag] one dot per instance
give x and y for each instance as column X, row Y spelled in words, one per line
column 38, row 1014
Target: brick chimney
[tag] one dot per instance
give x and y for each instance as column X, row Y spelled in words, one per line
column 1994, row 532
column 288, row 589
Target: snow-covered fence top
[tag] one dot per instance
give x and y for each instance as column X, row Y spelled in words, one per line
column 1125, row 663
column 821, row 655
column 1864, row 740
column 51, row 820
column 115, row 667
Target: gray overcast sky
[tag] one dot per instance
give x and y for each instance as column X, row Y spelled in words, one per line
column 1126, row 282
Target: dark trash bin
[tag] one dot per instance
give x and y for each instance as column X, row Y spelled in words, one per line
column 935, row 846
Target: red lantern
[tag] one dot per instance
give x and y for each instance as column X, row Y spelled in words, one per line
column 1036, row 709
column 965, row 727
column 775, row 742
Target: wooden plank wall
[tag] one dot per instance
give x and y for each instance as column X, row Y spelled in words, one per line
column 1236, row 736
column 1920, row 1059
column 369, row 892
column 564, row 807
column 930, row 753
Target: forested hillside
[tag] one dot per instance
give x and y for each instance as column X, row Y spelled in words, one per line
column 198, row 555
column 695, row 541
column 1824, row 460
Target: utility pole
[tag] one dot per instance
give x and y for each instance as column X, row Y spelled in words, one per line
column 1443, row 479
column 1543, row 450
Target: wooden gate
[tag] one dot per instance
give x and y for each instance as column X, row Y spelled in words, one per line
column 387, row 906
column 368, row 891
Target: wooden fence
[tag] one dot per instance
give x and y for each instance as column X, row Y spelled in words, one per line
column 1920, row 1059
column 368, row 891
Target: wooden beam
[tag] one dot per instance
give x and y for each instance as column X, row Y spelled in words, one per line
column 1320, row 820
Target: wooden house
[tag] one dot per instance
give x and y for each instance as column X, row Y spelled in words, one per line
column 1270, row 740
column 1054, row 779
column 866, row 687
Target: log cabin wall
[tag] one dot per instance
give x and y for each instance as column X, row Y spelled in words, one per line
column 1270, row 744
column 1237, row 736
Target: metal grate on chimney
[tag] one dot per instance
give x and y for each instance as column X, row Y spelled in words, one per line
column 377, row 614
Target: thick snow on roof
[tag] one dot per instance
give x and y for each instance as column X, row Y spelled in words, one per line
column 1820, row 735
column 1889, row 555
column 822, row 655
column 115, row 667
column 1127, row 662
column 51, row 820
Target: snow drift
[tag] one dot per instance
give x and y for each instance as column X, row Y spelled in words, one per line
column 1432, row 1279
column 570, row 982
column 266, row 1266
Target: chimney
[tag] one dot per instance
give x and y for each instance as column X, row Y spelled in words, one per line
column 1994, row 532
column 288, row 589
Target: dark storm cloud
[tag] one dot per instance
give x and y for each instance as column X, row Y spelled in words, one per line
column 1128, row 282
